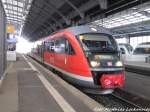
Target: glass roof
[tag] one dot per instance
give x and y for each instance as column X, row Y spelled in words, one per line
column 16, row 11
column 132, row 15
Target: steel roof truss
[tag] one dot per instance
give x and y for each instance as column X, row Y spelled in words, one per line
column 75, row 8
column 59, row 13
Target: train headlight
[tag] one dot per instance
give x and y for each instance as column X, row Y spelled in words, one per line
column 119, row 64
column 95, row 63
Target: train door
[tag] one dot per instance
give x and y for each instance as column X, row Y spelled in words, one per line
column 48, row 54
column 42, row 52
column 39, row 53
column 70, row 57
column 60, row 55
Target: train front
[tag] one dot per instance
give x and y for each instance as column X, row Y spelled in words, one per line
column 103, row 57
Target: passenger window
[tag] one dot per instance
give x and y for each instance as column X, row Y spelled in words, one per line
column 51, row 46
column 46, row 46
column 61, row 46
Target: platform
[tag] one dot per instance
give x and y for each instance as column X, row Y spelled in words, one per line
column 138, row 85
column 29, row 87
column 138, row 67
column 137, row 64
column 138, row 79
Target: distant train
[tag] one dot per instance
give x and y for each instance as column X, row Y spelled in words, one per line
column 141, row 53
column 126, row 51
column 86, row 56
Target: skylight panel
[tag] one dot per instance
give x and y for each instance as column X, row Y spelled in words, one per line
column 3, row 1
column 28, row 7
column 12, row 18
column 14, row 2
column 20, row 4
column 125, row 17
column 129, row 17
column 9, row 1
column 15, row 8
column 125, row 22
column 137, row 14
column 9, row 6
column 10, row 11
column 20, row 9
column 147, row 9
column 5, row 6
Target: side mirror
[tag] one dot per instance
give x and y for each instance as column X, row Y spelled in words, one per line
column 122, row 52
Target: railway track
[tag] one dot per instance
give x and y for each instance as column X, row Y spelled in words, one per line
column 112, row 102
column 118, row 104
column 122, row 103
column 124, row 100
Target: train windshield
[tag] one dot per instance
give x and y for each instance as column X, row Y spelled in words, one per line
column 98, row 43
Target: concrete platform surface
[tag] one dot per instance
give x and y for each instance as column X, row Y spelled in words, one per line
column 9, row 91
column 29, row 87
column 138, row 84
column 137, row 64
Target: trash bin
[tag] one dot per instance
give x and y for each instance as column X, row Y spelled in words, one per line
column 147, row 59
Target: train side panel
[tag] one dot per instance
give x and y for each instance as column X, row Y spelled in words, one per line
column 75, row 64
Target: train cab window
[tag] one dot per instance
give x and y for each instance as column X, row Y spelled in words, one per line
column 69, row 48
column 122, row 50
column 63, row 46
column 60, row 45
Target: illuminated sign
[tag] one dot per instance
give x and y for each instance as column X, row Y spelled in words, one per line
column 10, row 29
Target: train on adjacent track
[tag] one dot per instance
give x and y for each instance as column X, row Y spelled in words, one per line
column 86, row 56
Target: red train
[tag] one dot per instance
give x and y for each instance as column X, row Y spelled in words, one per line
column 86, row 56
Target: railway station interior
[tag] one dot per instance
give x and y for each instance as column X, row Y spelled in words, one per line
column 74, row 56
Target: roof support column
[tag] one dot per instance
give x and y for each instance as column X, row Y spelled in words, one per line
column 2, row 40
column 127, row 39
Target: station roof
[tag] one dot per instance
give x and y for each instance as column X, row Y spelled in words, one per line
column 16, row 11
column 134, row 21
column 48, row 16
column 132, row 15
column 39, row 18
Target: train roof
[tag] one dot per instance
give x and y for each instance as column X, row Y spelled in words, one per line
column 77, row 30
column 83, row 29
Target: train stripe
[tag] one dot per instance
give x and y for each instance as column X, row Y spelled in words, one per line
column 88, row 79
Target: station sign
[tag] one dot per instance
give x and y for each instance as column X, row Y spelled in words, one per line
column 10, row 28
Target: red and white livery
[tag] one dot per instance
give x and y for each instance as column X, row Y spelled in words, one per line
column 86, row 56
